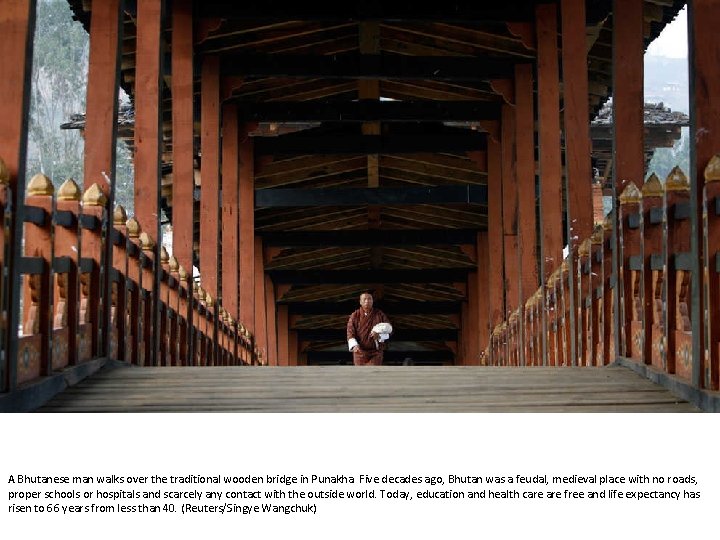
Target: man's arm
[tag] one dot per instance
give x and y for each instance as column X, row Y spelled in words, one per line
column 351, row 339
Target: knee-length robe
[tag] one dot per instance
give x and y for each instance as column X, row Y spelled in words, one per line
column 359, row 327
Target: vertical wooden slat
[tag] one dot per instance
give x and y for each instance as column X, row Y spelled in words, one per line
column 247, row 233
column 283, row 321
column 261, row 337
column 704, row 58
column 272, row 357
column 17, row 25
column 182, row 119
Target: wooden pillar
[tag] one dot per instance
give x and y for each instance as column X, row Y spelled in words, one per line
column 272, row 333
column 653, row 195
column 483, row 294
column 17, row 23
column 704, row 59
column 495, row 237
column 510, row 212
column 261, row 336
column 283, row 321
column 182, row 136
column 230, row 224
column 525, row 177
column 578, row 173
column 247, row 233
column 550, row 164
column 102, row 95
column 148, row 139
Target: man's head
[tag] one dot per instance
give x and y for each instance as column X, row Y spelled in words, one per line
column 366, row 301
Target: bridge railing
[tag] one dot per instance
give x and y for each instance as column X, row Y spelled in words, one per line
column 158, row 317
column 651, row 290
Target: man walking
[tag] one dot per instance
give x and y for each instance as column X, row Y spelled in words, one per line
column 367, row 330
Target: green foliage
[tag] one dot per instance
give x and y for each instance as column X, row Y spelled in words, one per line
column 59, row 85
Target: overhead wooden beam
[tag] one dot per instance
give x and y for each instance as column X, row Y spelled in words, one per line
column 465, row 11
column 368, row 110
column 401, row 307
column 370, row 66
column 406, row 334
column 294, row 197
column 309, row 277
column 303, row 143
column 386, row 237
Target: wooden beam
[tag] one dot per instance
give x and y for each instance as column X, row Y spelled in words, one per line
column 400, row 237
column 510, row 212
column 704, row 56
column 182, row 137
column 102, row 96
column 230, row 224
column 148, row 145
column 496, row 242
column 367, row 110
column 17, row 20
column 455, row 11
column 370, row 66
column 402, row 307
column 295, row 197
column 303, row 143
column 299, row 277
column 483, row 291
column 272, row 331
column 247, row 232
column 550, row 156
column 210, row 175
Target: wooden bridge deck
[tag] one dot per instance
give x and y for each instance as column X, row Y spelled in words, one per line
column 373, row 389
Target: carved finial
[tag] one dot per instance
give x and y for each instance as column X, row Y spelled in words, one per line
column 608, row 223
column 201, row 293
column 69, row 191
column 173, row 264
column 653, row 187
column 146, row 243
column 40, row 185
column 584, row 249
column 119, row 215
column 164, row 255
column 4, row 173
column 209, row 301
column 712, row 171
column 133, row 228
column 677, row 181
column 94, row 196
column 182, row 273
column 598, row 234
column 631, row 194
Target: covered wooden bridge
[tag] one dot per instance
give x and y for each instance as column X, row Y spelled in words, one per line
column 438, row 155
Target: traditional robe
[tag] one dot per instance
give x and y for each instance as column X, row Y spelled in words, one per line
column 359, row 327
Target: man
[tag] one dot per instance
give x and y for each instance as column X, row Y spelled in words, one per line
column 365, row 343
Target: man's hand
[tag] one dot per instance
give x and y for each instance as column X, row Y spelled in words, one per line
column 374, row 335
column 355, row 349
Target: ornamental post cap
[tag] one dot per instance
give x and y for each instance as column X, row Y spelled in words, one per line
column 40, row 185
column 712, row 171
column 94, row 196
column 133, row 228
column 631, row 194
column 677, row 181
column 69, row 191
column 653, row 187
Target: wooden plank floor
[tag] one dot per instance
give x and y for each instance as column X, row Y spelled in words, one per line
column 368, row 389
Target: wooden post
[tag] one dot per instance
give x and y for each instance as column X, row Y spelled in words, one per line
column 711, row 213
column 510, row 211
column 283, row 325
column 272, row 356
column 483, row 294
column 67, row 298
column 135, row 301
column 704, row 58
column 261, row 337
column 495, row 240
column 17, row 20
column 182, row 137
column 630, row 272
column 653, row 195
column 525, row 178
column 148, row 143
column 247, row 232
column 550, row 164
column 578, row 173
column 230, row 223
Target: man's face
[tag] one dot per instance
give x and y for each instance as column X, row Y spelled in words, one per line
column 366, row 301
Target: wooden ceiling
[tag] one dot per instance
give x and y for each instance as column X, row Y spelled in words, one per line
column 373, row 95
